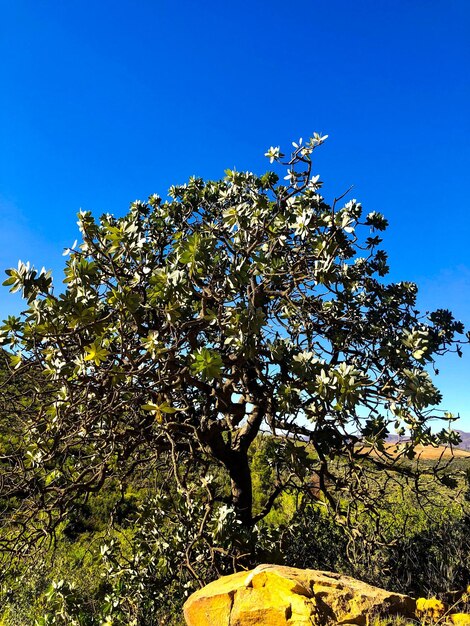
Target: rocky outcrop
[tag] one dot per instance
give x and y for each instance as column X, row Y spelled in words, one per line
column 273, row 595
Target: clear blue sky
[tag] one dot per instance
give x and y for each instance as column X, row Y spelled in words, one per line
column 104, row 102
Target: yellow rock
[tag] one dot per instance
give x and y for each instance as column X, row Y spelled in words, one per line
column 460, row 619
column 272, row 595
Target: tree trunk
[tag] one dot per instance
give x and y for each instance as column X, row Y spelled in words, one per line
column 240, row 479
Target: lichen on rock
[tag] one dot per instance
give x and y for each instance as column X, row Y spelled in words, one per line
column 273, row 595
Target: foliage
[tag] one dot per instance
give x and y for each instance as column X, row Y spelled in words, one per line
column 436, row 560
column 185, row 329
column 138, row 572
column 428, row 547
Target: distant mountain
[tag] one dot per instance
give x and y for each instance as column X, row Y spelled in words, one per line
column 465, row 437
column 464, row 445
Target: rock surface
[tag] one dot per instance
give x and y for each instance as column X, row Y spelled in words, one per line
column 272, row 595
column 460, row 619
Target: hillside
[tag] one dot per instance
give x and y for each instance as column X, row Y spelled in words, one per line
column 465, row 437
column 430, row 454
column 464, row 444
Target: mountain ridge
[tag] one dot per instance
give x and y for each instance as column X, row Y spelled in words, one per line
column 463, row 445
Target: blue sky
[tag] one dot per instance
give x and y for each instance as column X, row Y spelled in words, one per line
column 105, row 102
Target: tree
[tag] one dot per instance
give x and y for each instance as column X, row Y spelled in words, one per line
column 188, row 326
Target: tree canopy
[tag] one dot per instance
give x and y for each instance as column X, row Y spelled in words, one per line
column 191, row 324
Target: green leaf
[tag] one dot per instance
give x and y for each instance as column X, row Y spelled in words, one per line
column 207, row 363
column 190, row 249
column 15, row 360
column 159, row 409
column 96, row 353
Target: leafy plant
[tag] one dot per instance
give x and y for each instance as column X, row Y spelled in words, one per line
column 188, row 326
